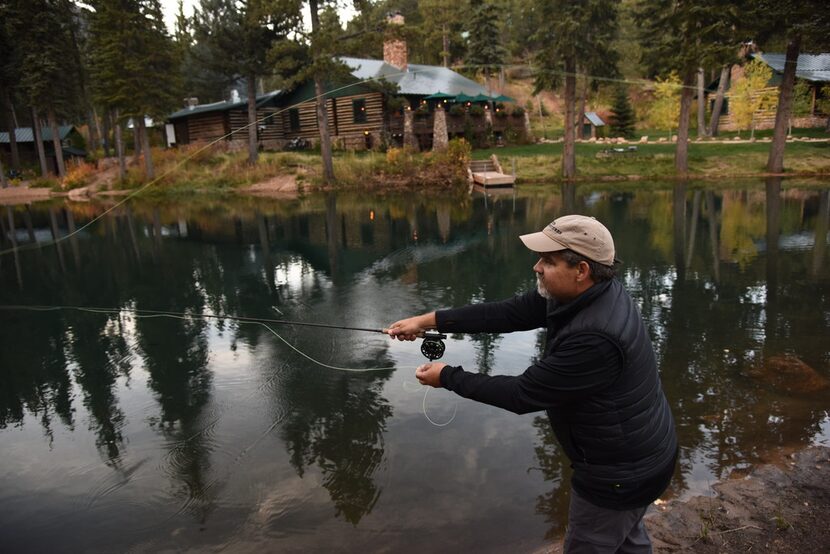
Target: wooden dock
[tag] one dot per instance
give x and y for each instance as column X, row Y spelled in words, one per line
column 489, row 174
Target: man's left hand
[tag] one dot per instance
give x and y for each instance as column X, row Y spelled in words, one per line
column 430, row 374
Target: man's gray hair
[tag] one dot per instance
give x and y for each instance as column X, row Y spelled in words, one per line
column 599, row 272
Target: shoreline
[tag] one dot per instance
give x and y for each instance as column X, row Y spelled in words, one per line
column 779, row 506
column 287, row 187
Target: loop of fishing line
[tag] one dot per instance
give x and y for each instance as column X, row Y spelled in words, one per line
column 149, row 314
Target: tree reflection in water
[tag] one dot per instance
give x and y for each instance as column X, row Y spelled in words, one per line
column 726, row 280
column 340, row 430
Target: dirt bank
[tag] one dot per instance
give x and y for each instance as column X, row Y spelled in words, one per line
column 780, row 507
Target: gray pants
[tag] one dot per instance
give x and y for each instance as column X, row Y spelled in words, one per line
column 595, row 530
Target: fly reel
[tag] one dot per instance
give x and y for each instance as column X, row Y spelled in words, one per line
column 433, row 345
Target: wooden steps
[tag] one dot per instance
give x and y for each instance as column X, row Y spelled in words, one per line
column 488, row 173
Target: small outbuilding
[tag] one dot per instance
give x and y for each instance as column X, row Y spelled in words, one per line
column 592, row 125
column 72, row 145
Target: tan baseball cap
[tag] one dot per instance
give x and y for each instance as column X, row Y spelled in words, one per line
column 580, row 233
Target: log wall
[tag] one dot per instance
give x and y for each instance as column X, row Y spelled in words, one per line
column 342, row 127
column 205, row 127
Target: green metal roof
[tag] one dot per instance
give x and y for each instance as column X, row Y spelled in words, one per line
column 25, row 134
column 440, row 96
column 223, row 106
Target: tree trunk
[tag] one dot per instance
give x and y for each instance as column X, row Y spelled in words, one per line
column 105, row 132
column 323, row 124
column 681, row 153
column 252, row 123
column 3, row 183
column 119, row 147
column 775, row 162
column 136, row 140
column 701, row 105
column 580, row 114
column 568, row 150
column 12, row 126
column 445, row 53
column 41, row 154
column 92, row 123
column 322, row 115
column 145, row 146
column 56, row 142
column 714, row 121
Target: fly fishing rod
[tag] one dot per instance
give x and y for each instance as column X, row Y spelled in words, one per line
column 432, row 346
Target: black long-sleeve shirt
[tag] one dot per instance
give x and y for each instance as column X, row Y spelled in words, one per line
column 582, row 364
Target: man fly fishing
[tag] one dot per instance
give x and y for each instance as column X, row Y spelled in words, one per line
column 597, row 380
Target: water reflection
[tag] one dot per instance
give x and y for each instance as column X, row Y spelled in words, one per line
column 728, row 281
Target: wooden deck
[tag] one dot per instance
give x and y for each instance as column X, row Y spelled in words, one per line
column 489, row 174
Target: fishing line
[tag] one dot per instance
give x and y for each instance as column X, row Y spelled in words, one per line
column 137, row 313
column 148, row 314
column 424, row 406
column 180, row 163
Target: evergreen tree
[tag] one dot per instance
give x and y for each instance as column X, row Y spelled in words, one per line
column 9, row 75
column 681, row 36
column 133, row 66
column 485, row 51
column 237, row 37
column 441, row 31
column 198, row 80
column 573, row 35
column 622, row 114
column 41, row 30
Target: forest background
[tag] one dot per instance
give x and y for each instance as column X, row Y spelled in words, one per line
column 100, row 64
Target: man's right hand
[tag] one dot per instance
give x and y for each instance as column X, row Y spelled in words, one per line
column 411, row 328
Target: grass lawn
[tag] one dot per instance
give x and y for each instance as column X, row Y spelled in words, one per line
column 543, row 161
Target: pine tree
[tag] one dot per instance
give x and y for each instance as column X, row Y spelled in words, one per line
column 133, row 64
column 622, row 114
column 682, row 36
column 485, row 51
column 573, row 36
column 41, row 30
column 237, row 37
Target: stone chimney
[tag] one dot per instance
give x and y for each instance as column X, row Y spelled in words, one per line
column 191, row 102
column 394, row 46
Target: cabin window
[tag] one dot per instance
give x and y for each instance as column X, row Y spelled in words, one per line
column 294, row 119
column 269, row 119
column 359, row 110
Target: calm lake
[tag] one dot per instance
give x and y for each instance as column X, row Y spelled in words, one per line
column 139, row 424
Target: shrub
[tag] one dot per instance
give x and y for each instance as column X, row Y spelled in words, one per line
column 518, row 111
column 476, row 110
column 77, row 175
column 457, row 109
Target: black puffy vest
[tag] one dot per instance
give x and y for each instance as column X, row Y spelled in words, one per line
column 624, row 436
